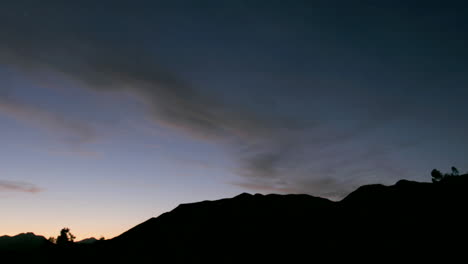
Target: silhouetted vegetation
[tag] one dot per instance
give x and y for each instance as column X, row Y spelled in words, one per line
column 437, row 176
column 65, row 237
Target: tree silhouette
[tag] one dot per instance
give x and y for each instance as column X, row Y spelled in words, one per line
column 436, row 176
column 65, row 237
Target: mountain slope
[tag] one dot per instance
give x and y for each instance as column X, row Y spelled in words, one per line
column 404, row 218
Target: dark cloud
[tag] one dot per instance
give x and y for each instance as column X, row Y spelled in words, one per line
column 269, row 188
column 274, row 152
column 109, row 67
column 17, row 186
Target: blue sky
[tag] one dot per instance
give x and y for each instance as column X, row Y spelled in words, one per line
column 117, row 111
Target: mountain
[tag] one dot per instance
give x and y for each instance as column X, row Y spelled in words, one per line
column 24, row 241
column 405, row 221
column 253, row 224
column 402, row 219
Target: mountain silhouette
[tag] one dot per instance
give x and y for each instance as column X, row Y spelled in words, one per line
column 404, row 218
column 24, row 241
column 90, row 240
column 421, row 220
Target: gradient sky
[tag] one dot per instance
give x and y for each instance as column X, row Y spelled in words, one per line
column 112, row 112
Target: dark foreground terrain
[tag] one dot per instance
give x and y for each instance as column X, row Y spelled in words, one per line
column 408, row 219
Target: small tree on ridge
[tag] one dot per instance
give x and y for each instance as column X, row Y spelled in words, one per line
column 65, row 237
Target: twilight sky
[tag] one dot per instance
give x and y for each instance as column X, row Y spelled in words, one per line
column 112, row 112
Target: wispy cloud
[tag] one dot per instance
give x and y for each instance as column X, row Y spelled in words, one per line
column 269, row 188
column 273, row 152
column 18, row 186
column 38, row 116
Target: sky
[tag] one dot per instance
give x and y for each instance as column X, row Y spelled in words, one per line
column 112, row 112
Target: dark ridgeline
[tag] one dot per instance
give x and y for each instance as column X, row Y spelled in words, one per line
column 24, row 241
column 422, row 220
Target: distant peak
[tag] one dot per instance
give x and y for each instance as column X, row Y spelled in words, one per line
column 405, row 182
column 28, row 234
column 243, row 195
column 87, row 240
